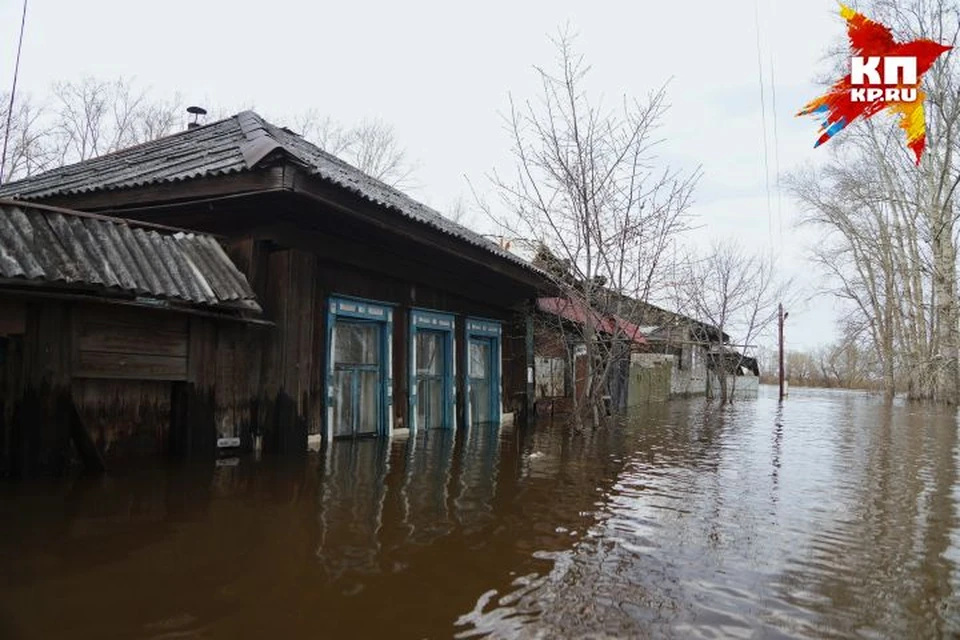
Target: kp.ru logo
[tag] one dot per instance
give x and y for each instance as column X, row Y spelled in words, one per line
column 884, row 74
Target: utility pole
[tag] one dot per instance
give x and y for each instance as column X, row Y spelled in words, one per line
column 781, row 317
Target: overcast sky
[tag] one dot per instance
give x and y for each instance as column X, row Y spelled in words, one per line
column 440, row 73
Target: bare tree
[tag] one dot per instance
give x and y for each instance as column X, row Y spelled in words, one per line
column 370, row 145
column 590, row 198
column 29, row 149
column 93, row 117
column 460, row 212
column 889, row 227
column 737, row 292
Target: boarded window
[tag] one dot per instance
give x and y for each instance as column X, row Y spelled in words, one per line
column 129, row 344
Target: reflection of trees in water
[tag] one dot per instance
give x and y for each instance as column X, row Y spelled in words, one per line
column 477, row 482
column 352, row 494
column 882, row 559
column 424, row 492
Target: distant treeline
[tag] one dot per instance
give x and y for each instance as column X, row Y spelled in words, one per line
column 845, row 365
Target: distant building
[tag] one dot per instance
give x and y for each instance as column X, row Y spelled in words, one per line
column 692, row 348
column 560, row 352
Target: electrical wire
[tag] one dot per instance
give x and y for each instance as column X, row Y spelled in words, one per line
column 776, row 153
column 763, row 116
column 13, row 94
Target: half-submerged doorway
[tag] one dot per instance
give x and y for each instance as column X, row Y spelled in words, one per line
column 483, row 371
column 359, row 365
column 432, row 370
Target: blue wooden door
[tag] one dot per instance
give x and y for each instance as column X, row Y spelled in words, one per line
column 432, row 379
column 483, row 380
column 357, row 378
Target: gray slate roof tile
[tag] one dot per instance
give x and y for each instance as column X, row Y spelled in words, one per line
column 233, row 145
column 60, row 246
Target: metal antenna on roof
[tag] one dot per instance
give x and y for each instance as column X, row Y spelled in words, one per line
column 197, row 112
column 13, row 94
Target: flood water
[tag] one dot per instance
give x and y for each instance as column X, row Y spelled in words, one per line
column 835, row 516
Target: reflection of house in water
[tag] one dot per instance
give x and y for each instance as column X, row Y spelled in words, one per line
column 425, row 491
column 479, row 468
column 352, row 494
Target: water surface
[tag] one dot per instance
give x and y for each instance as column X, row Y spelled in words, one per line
column 833, row 516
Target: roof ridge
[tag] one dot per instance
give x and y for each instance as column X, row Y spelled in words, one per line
column 258, row 141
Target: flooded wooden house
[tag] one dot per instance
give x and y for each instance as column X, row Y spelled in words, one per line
column 386, row 315
column 560, row 351
column 110, row 334
column 681, row 341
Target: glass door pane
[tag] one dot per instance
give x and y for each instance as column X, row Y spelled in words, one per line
column 357, row 343
column 357, row 378
column 481, row 387
column 431, row 371
column 429, row 353
column 430, row 414
column 368, row 401
column 343, row 403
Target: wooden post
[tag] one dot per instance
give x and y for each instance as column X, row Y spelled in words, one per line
column 780, row 320
column 528, row 373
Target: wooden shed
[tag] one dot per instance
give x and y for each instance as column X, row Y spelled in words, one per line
column 387, row 314
column 109, row 332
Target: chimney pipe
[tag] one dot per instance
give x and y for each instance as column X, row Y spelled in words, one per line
column 196, row 112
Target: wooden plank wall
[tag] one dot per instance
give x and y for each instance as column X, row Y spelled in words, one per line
column 12, row 327
column 124, row 363
column 290, row 390
column 125, row 418
column 239, row 363
column 129, row 344
column 13, row 317
column 515, row 363
column 41, row 435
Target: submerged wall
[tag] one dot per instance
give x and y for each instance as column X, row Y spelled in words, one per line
column 746, row 388
column 649, row 379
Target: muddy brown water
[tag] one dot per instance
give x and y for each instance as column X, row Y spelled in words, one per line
column 833, row 517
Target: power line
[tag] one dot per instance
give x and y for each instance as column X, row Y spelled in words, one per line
column 776, row 152
column 13, row 93
column 763, row 115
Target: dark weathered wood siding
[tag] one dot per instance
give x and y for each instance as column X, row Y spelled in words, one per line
column 152, row 381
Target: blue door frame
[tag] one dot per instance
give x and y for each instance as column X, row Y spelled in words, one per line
column 380, row 314
column 485, row 332
column 444, row 324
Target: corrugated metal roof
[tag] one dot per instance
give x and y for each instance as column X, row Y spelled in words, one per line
column 60, row 246
column 236, row 144
column 578, row 313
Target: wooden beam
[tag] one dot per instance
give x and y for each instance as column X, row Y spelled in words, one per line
column 39, row 294
column 375, row 259
column 412, row 230
column 271, row 178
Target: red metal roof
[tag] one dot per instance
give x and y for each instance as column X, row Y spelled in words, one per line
column 576, row 312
